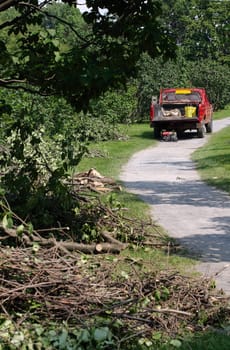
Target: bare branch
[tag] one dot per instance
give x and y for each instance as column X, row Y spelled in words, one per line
column 5, row 4
column 15, row 84
column 4, row 82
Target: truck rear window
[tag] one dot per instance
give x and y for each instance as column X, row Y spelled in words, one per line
column 183, row 96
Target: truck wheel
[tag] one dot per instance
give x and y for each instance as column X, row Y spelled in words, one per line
column 209, row 126
column 201, row 132
column 157, row 132
column 180, row 134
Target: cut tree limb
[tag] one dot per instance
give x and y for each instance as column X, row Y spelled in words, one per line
column 107, row 236
column 111, row 246
column 94, row 248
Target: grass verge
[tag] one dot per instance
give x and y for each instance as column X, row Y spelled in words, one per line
column 113, row 154
column 223, row 113
column 213, row 160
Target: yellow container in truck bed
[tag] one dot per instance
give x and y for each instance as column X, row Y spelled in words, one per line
column 190, row 111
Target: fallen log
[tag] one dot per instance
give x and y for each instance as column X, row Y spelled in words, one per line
column 112, row 245
column 93, row 248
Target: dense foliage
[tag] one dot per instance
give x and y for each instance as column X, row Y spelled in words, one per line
column 104, row 52
column 200, row 28
column 116, row 106
column 43, row 140
column 215, row 77
column 47, row 49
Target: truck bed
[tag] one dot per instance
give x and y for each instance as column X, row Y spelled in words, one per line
column 176, row 112
column 181, row 109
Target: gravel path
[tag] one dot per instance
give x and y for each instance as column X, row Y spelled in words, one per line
column 196, row 214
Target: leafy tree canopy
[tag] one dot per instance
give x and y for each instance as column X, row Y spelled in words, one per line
column 201, row 28
column 95, row 53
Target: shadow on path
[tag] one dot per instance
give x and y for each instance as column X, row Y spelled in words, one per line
column 180, row 192
column 185, row 204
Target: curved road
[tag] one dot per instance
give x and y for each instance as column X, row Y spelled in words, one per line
column 196, row 214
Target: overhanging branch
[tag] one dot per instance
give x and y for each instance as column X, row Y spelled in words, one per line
column 5, row 4
column 14, row 84
column 7, row 82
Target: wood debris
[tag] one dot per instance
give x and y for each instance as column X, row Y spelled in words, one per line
column 93, row 181
column 75, row 290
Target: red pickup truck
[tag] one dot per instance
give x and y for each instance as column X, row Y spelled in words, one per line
column 181, row 109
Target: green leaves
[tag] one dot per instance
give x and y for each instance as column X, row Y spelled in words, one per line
column 162, row 294
column 199, row 27
column 81, row 59
column 40, row 148
column 176, row 343
column 20, row 229
column 215, row 77
column 7, row 221
column 102, row 334
column 54, row 337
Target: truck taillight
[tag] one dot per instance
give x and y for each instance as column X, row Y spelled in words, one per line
column 201, row 112
column 152, row 112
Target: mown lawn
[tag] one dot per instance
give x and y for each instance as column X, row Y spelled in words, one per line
column 213, row 159
column 114, row 154
column 223, row 113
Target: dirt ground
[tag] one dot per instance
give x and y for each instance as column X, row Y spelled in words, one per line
column 195, row 214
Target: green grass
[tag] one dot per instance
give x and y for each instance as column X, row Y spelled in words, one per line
column 117, row 153
column 154, row 259
column 223, row 113
column 213, row 160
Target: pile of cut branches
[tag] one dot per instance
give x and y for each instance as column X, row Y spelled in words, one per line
column 78, row 289
column 91, row 226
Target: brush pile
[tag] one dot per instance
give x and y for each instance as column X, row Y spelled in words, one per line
column 78, row 288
